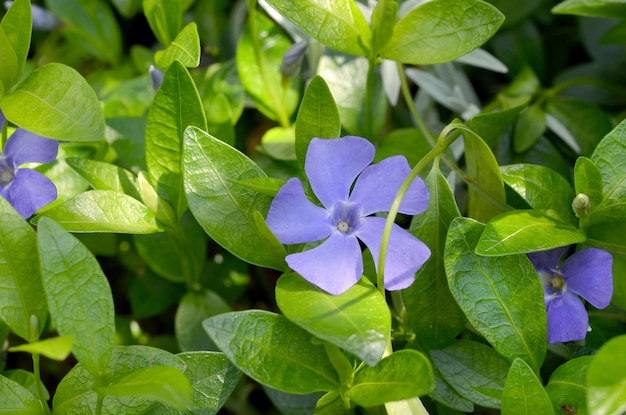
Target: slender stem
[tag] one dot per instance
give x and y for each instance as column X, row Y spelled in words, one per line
column 5, row 132
column 99, row 401
column 406, row 94
column 40, row 389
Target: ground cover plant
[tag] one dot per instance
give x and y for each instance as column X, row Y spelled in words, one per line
column 312, row 206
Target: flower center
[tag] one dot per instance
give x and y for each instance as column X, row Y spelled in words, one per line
column 6, row 172
column 346, row 217
column 557, row 282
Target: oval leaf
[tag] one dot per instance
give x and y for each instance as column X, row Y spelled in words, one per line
column 501, row 296
column 523, row 392
column 357, row 321
column 273, row 351
column 17, row 400
column 55, row 101
column 606, row 379
column 567, row 387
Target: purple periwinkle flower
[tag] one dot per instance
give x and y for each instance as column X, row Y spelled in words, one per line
column 586, row 273
column 332, row 166
column 25, row 189
column 42, row 18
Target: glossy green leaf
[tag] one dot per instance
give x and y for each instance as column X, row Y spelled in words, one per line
column 597, row 8
column 76, row 393
column 223, row 209
column 530, row 125
column 318, row 116
column 156, row 205
column 490, row 126
column 441, row 31
column 330, row 404
column 523, row 392
column 447, row 395
column 9, row 68
column 611, row 237
column 338, row 24
column 27, row 380
column 165, row 18
column 127, row 8
column 21, row 292
column 79, row 296
column 474, row 370
column 588, row 180
column 213, row 378
column 163, row 384
column 567, row 386
column 523, row 231
column 56, row 102
column 17, row 25
column 259, row 55
column 56, row 348
column 92, row 25
column 609, row 158
column 184, row 48
column 357, row 321
column 501, row 296
column 273, row 351
column 17, row 400
column 542, row 188
column 193, row 309
column 483, row 170
column 402, row 375
column 102, row 211
column 606, row 379
column 383, row 21
column 431, row 311
column 176, row 106
column 105, row 176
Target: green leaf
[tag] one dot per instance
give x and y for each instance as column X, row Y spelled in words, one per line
column 567, row 386
column 542, row 188
column 318, row 116
column 193, row 309
column 102, row 211
column 523, row 392
column 610, row 160
column 223, row 209
column 474, row 370
column 176, row 106
column 92, row 25
column 105, row 176
column 17, row 25
column 501, row 296
column 213, row 378
column 383, row 21
column 127, row 8
column 530, row 126
column 339, row 24
column 279, row 143
column 523, row 231
column 56, row 348
column 447, row 395
column 163, row 384
column 185, row 48
column 606, row 379
column 273, row 351
column 491, row 126
column 441, row 31
column 357, row 321
column 56, row 102
column 17, row 400
column 402, row 375
column 596, row 8
column 27, row 380
column 78, row 294
column 22, row 294
column 431, row 311
column 259, row 55
column 9, row 68
column 165, row 18
column 588, row 180
column 483, row 170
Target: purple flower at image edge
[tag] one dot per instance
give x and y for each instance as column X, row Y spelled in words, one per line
column 587, row 274
column 25, row 189
column 350, row 191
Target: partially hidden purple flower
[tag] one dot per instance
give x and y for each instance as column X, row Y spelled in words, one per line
column 25, row 189
column 42, row 18
column 332, row 166
column 586, row 273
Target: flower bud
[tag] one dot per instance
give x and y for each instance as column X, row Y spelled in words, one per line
column 292, row 59
column 581, row 205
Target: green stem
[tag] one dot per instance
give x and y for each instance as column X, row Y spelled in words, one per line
column 5, row 132
column 440, row 147
column 40, row 389
column 408, row 99
column 99, row 401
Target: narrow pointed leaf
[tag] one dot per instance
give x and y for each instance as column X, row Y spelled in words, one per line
column 357, row 321
column 185, row 48
column 588, row 180
column 21, row 289
column 17, row 24
column 596, row 8
column 523, row 392
column 56, row 348
column 273, row 351
column 501, row 296
column 176, row 106
column 105, row 176
column 9, row 68
column 164, row 18
column 224, row 209
column 55, row 101
column 79, row 295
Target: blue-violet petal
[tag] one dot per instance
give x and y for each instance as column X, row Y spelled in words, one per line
column 567, row 318
column 26, row 147
column 29, row 191
column 588, row 273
